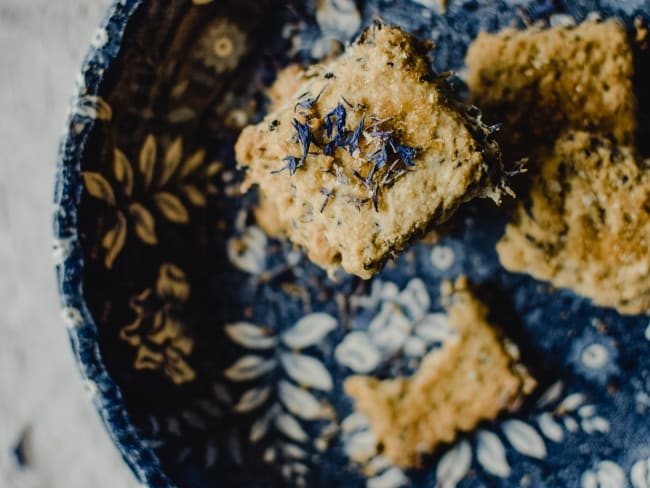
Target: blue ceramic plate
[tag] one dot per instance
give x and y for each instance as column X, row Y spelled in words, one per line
column 216, row 355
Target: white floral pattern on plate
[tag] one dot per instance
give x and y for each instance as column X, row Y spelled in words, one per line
column 402, row 325
column 300, row 375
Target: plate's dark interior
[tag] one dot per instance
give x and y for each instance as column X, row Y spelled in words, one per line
column 208, row 327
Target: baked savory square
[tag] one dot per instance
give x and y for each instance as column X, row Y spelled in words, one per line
column 472, row 377
column 586, row 224
column 370, row 153
column 541, row 81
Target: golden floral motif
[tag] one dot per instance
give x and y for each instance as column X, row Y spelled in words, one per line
column 157, row 183
column 221, row 46
column 157, row 331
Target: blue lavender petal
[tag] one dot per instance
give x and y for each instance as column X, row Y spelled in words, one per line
column 304, row 136
column 292, row 165
column 353, row 144
column 405, row 153
column 340, row 114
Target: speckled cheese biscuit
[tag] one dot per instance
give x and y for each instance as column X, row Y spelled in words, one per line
column 587, row 224
column 474, row 376
column 376, row 151
column 541, row 81
column 273, row 221
column 286, row 85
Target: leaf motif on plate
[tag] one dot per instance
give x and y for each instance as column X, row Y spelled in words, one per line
column 454, row 465
column 491, row 454
column 357, row 352
column 306, row 371
column 258, row 431
column 389, row 329
column 192, row 163
column 172, row 160
column 145, row 227
column 640, row 474
column 570, row 424
column 181, row 114
column 172, row 283
column 292, row 451
column 290, row 427
column 414, row 347
column 179, row 89
column 551, row 395
column 338, row 19
column 260, row 427
column 213, row 168
column 114, row 239
column 250, row 336
column 415, row 299
column 595, row 424
column 147, row 160
column 607, row 474
column 171, row 207
column 354, row 422
column 301, row 403
column 123, row 172
column 194, row 195
column 222, row 394
column 157, row 330
column 252, row 399
column 248, row 252
column 97, row 186
column 524, row 438
column 299, row 469
column 360, row 446
column 587, row 411
column 249, row 368
column 391, row 478
column 434, row 327
column 148, row 359
column 376, row 465
column 104, row 111
column 550, row 428
column 211, row 454
column 571, row 403
column 309, row 330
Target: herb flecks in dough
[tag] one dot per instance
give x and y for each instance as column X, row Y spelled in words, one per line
column 382, row 133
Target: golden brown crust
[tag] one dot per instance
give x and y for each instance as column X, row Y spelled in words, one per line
column 285, row 86
column 587, row 226
column 541, row 81
column 474, row 376
column 384, row 75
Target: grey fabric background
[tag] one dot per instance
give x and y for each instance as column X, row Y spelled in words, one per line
column 42, row 44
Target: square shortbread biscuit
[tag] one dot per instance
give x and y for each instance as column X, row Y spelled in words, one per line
column 370, row 153
column 539, row 82
column 586, row 225
column 474, row 376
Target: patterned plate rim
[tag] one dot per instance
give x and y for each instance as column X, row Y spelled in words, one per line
column 69, row 262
